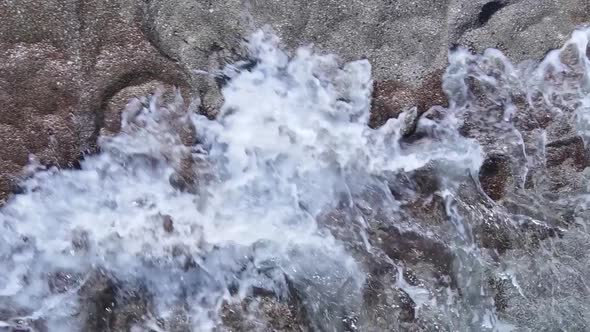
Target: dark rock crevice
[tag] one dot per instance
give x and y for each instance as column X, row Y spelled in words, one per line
column 488, row 10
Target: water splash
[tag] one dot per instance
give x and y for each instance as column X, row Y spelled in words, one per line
column 193, row 223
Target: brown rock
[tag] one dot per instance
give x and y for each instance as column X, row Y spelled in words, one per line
column 494, row 176
column 391, row 98
column 118, row 102
column 263, row 313
column 167, row 223
column 494, row 235
column 100, row 295
column 571, row 148
column 411, row 247
column 570, row 55
column 111, row 305
column 431, row 93
column 64, row 69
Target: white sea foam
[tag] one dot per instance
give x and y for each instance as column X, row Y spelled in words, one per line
column 290, row 142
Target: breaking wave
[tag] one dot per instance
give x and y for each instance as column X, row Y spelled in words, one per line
column 289, row 195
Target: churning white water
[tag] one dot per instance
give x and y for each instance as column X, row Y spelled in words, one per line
column 291, row 143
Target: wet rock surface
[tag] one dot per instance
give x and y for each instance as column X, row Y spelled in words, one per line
column 67, row 65
column 63, row 65
column 67, row 73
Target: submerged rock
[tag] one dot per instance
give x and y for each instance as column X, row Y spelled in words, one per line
column 296, row 209
column 264, row 313
column 168, row 223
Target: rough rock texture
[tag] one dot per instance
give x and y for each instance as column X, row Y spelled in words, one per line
column 66, row 65
column 62, row 62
